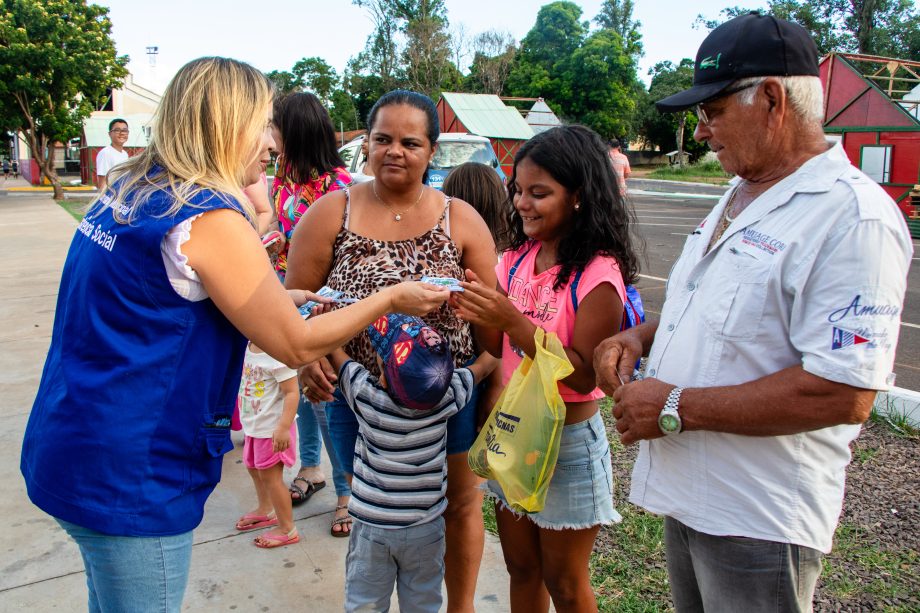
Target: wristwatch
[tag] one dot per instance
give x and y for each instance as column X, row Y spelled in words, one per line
column 669, row 418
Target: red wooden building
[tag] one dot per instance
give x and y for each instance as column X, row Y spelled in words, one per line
column 485, row 115
column 871, row 105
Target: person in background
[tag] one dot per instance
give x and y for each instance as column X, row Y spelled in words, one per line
column 620, row 164
column 308, row 167
column 6, row 169
column 143, row 369
column 779, row 324
column 378, row 233
column 112, row 154
column 258, row 195
column 15, row 168
column 567, row 258
column 268, row 405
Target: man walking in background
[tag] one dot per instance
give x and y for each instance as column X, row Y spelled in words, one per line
column 113, row 153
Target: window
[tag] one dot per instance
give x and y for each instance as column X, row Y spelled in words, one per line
column 875, row 161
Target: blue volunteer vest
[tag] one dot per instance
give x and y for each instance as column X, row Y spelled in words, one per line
column 132, row 416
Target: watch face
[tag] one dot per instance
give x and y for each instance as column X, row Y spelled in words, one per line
column 669, row 423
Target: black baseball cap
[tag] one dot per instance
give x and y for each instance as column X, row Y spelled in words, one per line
column 751, row 45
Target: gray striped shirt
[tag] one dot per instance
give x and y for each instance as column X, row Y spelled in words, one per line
column 400, row 469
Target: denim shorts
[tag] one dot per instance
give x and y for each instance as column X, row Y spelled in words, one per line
column 343, row 428
column 580, row 494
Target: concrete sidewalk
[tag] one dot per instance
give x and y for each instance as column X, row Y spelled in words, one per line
column 40, row 567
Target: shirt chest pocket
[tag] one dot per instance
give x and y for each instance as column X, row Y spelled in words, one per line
column 735, row 295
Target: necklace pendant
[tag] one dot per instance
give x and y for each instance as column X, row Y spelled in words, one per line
column 397, row 217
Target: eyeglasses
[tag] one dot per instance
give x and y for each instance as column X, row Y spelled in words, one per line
column 120, row 131
column 701, row 112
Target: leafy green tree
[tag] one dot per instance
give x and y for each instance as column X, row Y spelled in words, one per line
column 587, row 79
column 876, row 27
column 617, row 15
column 57, row 63
column 343, row 111
column 554, row 37
column 316, row 76
column 662, row 129
column 597, row 85
column 285, row 82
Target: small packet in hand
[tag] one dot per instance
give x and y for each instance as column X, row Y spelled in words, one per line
column 448, row 283
column 306, row 310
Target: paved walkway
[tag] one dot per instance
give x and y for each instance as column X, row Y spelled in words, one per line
column 40, row 568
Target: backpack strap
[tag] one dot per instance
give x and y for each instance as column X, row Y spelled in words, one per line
column 517, row 264
column 572, row 289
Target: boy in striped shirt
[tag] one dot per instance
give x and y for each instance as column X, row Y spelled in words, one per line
column 400, row 468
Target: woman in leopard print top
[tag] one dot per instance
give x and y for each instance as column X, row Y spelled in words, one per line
column 375, row 235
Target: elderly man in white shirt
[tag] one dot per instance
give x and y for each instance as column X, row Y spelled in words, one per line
column 780, row 323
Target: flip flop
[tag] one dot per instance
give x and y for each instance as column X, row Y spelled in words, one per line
column 254, row 521
column 271, row 540
column 342, row 523
column 304, row 494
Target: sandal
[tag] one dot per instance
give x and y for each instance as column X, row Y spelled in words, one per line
column 304, row 493
column 254, row 521
column 344, row 524
column 270, row 540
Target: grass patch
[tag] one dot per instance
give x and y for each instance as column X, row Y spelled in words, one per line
column 702, row 172
column 895, row 418
column 861, row 455
column 629, row 574
column 75, row 206
column 488, row 516
column 872, row 569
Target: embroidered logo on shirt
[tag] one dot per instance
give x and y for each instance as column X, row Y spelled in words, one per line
column 762, row 241
column 845, row 338
column 858, row 309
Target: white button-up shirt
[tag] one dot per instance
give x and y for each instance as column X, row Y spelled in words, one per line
column 812, row 273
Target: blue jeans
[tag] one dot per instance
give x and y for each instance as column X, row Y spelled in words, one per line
column 311, row 424
column 131, row 573
column 343, row 429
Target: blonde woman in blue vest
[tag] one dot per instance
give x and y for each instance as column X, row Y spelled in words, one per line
column 164, row 282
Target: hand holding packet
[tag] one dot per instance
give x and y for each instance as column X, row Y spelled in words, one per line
column 306, row 309
column 448, row 283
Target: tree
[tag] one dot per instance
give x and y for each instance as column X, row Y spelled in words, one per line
column 875, row 27
column 285, row 82
column 316, row 76
column 590, row 79
column 617, row 15
column 494, row 53
column 57, row 63
column 380, row 56
column 597, row 85
column 662, row 129
column 554, row 37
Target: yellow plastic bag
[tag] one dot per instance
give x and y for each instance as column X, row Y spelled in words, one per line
column 519, row 443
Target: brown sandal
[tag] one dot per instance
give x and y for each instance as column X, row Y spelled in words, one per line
column 344, row 524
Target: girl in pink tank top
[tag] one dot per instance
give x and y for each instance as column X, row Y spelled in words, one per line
column 567, row 257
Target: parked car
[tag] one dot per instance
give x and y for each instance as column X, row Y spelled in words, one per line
column 454, row 148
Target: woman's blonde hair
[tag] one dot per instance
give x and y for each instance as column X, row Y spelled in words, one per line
column 205, row 134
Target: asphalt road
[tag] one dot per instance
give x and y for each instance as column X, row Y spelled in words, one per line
column 666, row 219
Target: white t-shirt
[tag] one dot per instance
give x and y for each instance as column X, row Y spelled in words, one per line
column 261, row 400
column 109, row 157
column 813, row 274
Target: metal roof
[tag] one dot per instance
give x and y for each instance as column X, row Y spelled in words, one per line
column 541, row 118
column 96, row 129
column 487, row 115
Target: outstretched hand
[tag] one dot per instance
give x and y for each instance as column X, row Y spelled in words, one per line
column 416, row 298
column 483, row 306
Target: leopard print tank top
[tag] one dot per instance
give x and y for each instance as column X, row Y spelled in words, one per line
column 362, row 266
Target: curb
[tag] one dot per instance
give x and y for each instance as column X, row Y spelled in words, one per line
column 899, row 403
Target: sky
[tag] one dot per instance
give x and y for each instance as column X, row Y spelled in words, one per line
column 274, row 35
